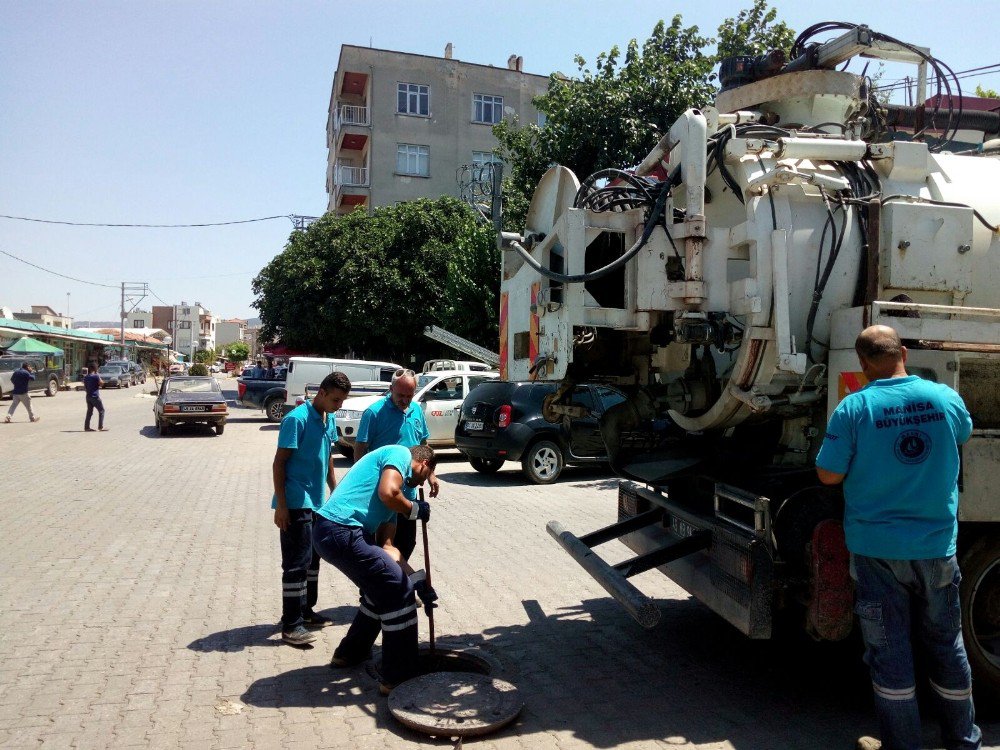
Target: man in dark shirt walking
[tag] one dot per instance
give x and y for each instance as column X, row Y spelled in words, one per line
column 92, row 386
column 19, row 395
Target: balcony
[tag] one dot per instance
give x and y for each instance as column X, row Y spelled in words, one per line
column 347, row 176
column 351, row 114
column 350, row 187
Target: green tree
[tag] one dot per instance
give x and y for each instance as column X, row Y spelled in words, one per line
column 237, row 352
column 986, row 93
column 613, row 115
column 198, row 369
column 368, row 285
column 205, row 356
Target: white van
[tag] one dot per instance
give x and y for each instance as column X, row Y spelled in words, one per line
column 305, row 370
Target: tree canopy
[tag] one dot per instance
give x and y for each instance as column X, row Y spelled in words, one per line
column 612, row 115
column 238, row 351
column 367, row 285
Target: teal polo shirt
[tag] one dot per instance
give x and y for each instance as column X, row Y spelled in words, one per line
column 355, row 502
column 384, row 424
column 897, row 441
column 311, row 441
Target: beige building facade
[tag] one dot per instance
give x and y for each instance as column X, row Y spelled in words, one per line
column 404, row 126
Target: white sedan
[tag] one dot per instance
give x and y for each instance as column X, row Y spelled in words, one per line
column 440, row 395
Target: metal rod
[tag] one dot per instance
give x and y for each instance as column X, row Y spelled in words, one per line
column 427, row 567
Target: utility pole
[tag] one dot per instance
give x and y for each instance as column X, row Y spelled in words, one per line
column 133, row 292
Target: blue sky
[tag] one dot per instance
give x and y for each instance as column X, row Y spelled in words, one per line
column 192, row 112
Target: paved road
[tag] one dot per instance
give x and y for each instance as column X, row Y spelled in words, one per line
column 141, row 591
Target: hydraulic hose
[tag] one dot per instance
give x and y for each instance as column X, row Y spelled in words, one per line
column 580, row 278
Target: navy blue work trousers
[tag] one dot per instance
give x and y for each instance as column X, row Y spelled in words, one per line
column 387, row 598
column 299, row 569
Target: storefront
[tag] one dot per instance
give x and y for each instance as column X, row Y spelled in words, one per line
column 80, row 348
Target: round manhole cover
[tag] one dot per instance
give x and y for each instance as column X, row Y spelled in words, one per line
column 455, row 704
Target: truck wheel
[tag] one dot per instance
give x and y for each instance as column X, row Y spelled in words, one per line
column 273, row 409
column 52, row 388
column 486, row 465
column 980, row 593
column 543, row 462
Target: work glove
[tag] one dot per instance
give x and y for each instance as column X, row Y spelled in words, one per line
column 420, row 510
column 428, row 596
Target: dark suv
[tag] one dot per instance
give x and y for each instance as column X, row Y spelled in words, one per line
column 502, row 421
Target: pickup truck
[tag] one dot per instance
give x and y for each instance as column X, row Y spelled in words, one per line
column 268, row 395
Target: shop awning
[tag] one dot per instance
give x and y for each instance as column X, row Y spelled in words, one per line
column 28, row 345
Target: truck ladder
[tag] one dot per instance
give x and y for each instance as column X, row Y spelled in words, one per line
column 614, row 578
column 456, row 342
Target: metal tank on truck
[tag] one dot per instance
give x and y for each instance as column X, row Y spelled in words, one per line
column 723, row 283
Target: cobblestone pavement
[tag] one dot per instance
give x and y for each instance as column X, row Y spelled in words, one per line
column 141, row 592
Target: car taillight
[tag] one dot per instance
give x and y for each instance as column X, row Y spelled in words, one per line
column 504, row 418
column 171, row 407
column 242, row 388
column 218, row 407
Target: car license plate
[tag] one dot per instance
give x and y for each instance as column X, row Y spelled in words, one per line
column 192, row 408
column 472, row 425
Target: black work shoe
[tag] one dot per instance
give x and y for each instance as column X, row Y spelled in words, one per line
column 298, row 636
column 340, row 662
column 315, row 620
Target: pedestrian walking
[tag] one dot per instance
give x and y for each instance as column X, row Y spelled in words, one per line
column 396, row 420
column 19, row 393
column 302, row 471
column 92, row 392
column 353, row 532
column 894, row 445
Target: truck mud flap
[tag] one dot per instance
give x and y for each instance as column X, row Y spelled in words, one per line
column 614, row 578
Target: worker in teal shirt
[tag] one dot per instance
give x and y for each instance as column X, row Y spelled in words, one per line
column 894, row 445
column 353, row 532
column 396, row 420
column 302, row 470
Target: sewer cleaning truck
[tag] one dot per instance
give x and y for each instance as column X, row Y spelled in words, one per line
column 722, row 283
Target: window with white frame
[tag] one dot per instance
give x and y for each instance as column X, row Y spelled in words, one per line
column 413, row 99
column 412, row 159
column 487, row 108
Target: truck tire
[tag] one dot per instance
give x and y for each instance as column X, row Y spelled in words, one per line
column 52, row 388
column 980, row 592
column 486, row 465
column 274, row 408
column 543, row 463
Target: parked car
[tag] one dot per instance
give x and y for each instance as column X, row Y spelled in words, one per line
column 137, row 374
column 48, row 372
column 305, row 370
column 190, row 399
column 114, row 376
column 440, row 395
column 503, row 421
column 177, row 368
column 268, row 395
column 433, row 365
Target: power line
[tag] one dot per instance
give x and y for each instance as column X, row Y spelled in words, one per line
column 982, row 68
column 290, row 217
column 932, row 81
column 56, row 273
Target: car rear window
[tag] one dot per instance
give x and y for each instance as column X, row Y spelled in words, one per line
column 193, row 385
column 494, row 392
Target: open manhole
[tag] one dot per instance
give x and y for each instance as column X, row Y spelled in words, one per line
column 455, row 696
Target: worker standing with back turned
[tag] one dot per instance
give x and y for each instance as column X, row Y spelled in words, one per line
column 894, row 445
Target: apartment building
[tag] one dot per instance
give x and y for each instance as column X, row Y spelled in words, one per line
column 191, row 326
column 230, row 331
column 46, row 316
column 404, row 126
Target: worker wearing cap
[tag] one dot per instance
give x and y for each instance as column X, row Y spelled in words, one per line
column 353, row 532
column 396, row 420
column 894, row 445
